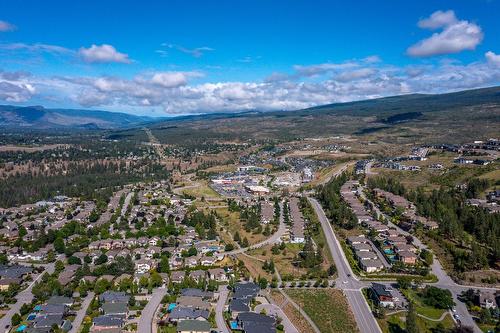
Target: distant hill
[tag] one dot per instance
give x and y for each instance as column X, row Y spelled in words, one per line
column 451, row 117
column 441, row 117
column 40, row 118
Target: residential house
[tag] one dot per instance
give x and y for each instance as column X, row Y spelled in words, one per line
column 382, row 295
column 407, row 257
column 177, row 276
column 181, row 313
column 251, row 322
column 371, row 265
column 217, row 274
column 193, row 326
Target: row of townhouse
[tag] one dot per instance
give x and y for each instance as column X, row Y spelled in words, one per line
column 298, row 222
column 108, row 244
column 365, row 253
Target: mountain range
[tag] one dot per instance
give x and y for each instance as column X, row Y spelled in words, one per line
column 40, row 118
column 384, row 111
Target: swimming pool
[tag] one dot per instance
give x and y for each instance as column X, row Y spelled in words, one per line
column 21, row 328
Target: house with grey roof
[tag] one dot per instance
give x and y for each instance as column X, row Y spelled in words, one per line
column 182, row 313
column 252, row 322
column 114, row 309
column 106, row 322
column 114, row 297
column 193, row 326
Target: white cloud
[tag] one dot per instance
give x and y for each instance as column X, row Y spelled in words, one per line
column 6, row 26
column 455, row 37
column 175, row 93
column 170, row 79
column 36, row 48
column 493, row 59
column 104, row 53
column 195, row 52
column 14, row 87
column 313, row 70
column 438, row 19
column 372, row 59
column 355, row 74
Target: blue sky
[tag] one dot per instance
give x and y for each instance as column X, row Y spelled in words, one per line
column 178, row 57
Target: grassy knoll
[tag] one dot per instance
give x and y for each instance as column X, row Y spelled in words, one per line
column 283, row 260
column 202, row 191
column 254, row 267
column 420, row 306
column 231, row 223
column 327, row 308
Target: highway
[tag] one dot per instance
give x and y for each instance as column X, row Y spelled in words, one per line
column 147, row 322
column 346, row 281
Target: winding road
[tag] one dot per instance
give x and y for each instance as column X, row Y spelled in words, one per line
column 147, row 323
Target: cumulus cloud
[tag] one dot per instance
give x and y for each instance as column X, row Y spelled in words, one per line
column 493, row 59
column 172, row 79
column 456, row 35
column 15, row 92
column 438, row 19
column 14, row 76
column 104, row 53
column 355, row 74
column 178, row 93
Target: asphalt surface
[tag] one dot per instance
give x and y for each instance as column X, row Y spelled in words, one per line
column 346, row 281
column 146, row 323
column 80, row 314
column 219, row 309
column 25, row 296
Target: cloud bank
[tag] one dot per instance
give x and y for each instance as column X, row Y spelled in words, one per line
column 177, row 92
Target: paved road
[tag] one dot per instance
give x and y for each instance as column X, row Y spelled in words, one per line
column 147, row 322
column 274, row 310
column 346, row 280
column 25, row 296
column 80, row 314
column 219, row 309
